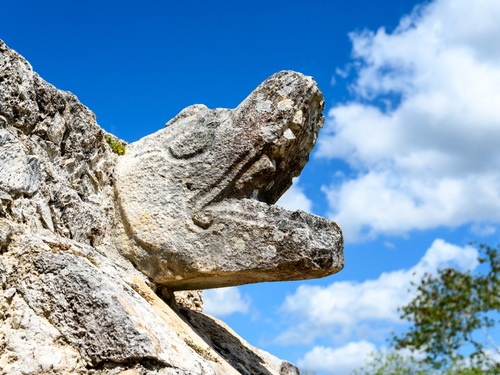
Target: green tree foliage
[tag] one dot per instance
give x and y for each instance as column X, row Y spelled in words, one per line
column 452, row 315
column 453, row 310
column 393, row 363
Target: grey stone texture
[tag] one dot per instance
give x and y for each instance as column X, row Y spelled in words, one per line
column 192, row 299
column 99, row 252
column 105, row 318
column 242, row 356
column 19, row 173
column 30, row 343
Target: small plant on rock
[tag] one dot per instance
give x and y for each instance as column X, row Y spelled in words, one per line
column 80, row 254
column 205, row 353
column 116, row 146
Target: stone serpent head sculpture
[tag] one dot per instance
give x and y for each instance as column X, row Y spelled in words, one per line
column 196, row 197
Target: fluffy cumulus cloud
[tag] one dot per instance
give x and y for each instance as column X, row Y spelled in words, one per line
column 341, row 361
column 352, row 312
column 225, row 301
column 295, row 199
column 421, row 135
column 337, row 361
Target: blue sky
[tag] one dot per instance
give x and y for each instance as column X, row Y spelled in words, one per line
column 407, row 163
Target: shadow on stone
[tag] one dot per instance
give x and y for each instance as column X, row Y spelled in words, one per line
column 226, row 343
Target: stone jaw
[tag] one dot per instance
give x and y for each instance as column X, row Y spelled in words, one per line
column 195, row 197
column 251, row 242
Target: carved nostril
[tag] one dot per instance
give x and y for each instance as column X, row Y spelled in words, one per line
column 256, row 177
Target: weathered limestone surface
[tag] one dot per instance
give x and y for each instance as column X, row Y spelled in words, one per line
column 73, row 214
column 20, row 173
column 195, row 196
column 192, row 299
column 118, row 323
column 77, row 310
column 242, row 356
column 30, row 344
column 282, row 367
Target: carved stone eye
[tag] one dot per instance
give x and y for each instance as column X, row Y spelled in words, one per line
column 191, row 143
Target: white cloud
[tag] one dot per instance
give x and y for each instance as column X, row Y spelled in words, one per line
column 483, row 229
column 295, row 199
column 343, row 360
column 225, row 301
column 344, row 73
column 338, row 361
column 348, row 310
column 422, row 133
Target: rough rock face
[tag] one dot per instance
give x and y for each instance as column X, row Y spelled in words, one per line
column 72, row 302
column 20, row 173
column 195, row 196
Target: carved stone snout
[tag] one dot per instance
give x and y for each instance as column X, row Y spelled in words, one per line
column 196, row 197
